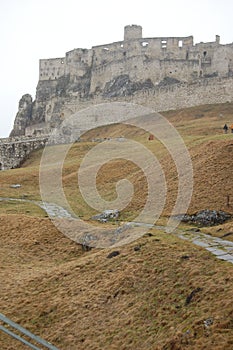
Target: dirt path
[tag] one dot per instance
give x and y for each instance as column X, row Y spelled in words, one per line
column 222, row 249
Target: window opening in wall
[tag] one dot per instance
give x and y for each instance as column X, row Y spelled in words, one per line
column 124, row 53
column 106, row 48
column 0, row 166
column 122, row 45
column 204, row 53
column 180, row 43
column 62, row 62
column 164, row 44
column 144, row 43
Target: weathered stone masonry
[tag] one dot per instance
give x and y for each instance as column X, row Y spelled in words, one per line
column 162, row 73
column 125, row 70
column 13, row 151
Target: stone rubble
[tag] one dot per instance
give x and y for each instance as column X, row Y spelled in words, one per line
column 222, row 249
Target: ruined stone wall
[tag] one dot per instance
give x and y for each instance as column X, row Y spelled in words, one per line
column 163, row 73
column 84, row 72
column 177, row 96
column 13, row 151
column 167, row 97
column 123, row 57
column 51, row 69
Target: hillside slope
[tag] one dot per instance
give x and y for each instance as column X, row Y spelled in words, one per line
column 140, row 299
column 160, row 292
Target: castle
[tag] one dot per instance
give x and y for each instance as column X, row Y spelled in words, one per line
column 162, row 73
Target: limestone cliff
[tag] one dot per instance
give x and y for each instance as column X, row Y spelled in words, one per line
column 23, row 117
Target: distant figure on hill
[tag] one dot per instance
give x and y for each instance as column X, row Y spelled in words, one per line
column 225, row 128
column 231, row 127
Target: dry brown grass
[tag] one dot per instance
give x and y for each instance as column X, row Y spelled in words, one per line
column 224, row 231
column 136, row 300
column 82, row 300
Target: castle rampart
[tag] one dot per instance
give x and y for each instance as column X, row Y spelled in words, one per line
column 163, row 73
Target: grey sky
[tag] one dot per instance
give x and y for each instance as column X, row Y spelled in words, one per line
column 34, row 29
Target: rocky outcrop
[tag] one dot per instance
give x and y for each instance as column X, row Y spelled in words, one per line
column 23, row 117
column 207, row 217
column 168, row 81
column 111, row 214
column 123, row 86
column 161, row 73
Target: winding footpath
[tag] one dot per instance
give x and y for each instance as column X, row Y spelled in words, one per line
column 222, row 249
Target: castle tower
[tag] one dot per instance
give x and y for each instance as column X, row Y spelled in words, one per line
column 132, row 32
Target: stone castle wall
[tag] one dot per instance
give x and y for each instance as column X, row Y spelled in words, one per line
column 162, row 98
column 14, row 151
column 127, row 69
column 163, row 73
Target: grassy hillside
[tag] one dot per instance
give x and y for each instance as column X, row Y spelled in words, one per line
column 200, row 128
column 159, row 292
column 137, row 300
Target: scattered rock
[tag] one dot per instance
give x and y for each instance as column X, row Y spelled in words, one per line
column 15, row 186
column 148, row 234
column 207, row 217
column 113, row 254
column 208, row 322
column 191, row 295
column 86, row 248
column 137, row 248
column 107, row 215
column 185, row 257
